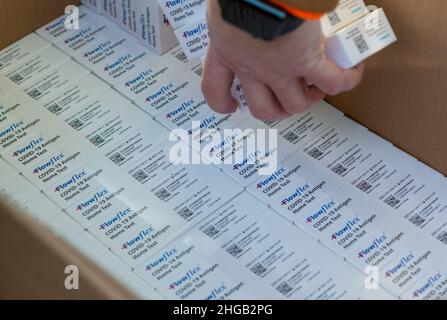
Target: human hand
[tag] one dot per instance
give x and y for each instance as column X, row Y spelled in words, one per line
column 274, row 75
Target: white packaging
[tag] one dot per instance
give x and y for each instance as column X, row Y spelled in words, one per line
column 13, row 105
column 180, row 13
column 144, row 20
column 411, row 265
column 24, row 126
column 74, row 96
column 39, row 145
column 360, row 40
column 124, row 63
column 58, row 79
column 154, row 29
column 64, row 227
column 7, row 87
column 56, row 29
column 359, row 154
column 335, row 140
column 30, row 69
column 21, row 50
column 77, row 184
column 344, row 14
column 53, row 167
column 167, row 94
column 194, row 38
column 105, row 49
column 8, row 172
column 136, row 144
column 18, row 191
column 94, row 5
column 41, row 208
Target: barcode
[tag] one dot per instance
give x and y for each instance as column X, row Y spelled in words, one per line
column 16, row 78
column 76, row 124
column 234, row 250
column 211, row 231
column 140, row 176
column 333, row 18
column 417, row 220
column 442, row 237
column 284, row 288
column 364, row 186
column 258, row 269
column 185, row 213
column 361, row 44
column 97, row 140
column 291, row 136
column 182, row 57
column 35, row 93
column 392, row 201
column 339, row 169
column 117, row 158
column 315, row 153
column 55, row 108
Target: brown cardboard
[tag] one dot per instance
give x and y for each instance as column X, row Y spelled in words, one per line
column 403, row 97
column 19, row 18
column 33, row 262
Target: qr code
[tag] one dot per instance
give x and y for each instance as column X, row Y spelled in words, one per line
column 334, row 19
column 284, row 288
column 35, row 94
column 364, row 186
column 339, row 169
column 417, row 220
column 315, row 153
column 442, row 237
column 211, row 231
column 76, row 124
column 361, row 44
column 258, row 269
column 185, row 213
column 392, row 201
column 117, row 158
column 55, row 108
column 140, row 176
column 291, row 136
column 97, row 140
column 234, row 250
column 182, row 57
column 162, row 194
column 16, row 78
column 199, row 71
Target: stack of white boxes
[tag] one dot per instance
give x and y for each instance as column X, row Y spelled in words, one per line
column 141, row 18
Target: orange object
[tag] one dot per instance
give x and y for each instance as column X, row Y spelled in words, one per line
column 305, row 15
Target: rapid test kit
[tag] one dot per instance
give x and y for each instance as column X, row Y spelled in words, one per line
column 90, row 120
column 355, row 32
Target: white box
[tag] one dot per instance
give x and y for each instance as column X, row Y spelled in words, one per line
column 144, row 20
column 360, row 40
column 94, row 5
column 346, row 13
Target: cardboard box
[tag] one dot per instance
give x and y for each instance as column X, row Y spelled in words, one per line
column 402, row 98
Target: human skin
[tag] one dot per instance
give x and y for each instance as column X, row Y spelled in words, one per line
column 275, row 75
